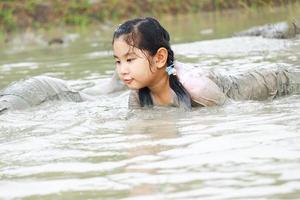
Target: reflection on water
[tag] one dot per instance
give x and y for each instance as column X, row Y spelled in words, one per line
column 98, row 150
column 212, row 153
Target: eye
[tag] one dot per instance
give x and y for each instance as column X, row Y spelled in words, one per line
column 117, row 62
column 130, row 59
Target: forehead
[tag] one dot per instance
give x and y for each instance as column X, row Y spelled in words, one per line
column 121, row 48
column 120, row 45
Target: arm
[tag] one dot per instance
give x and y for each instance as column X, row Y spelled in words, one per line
column 36, row 90
column 202, row 89
column 106, row 86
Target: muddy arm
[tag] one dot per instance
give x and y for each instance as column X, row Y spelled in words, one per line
column 106, row 86
column 34, row 91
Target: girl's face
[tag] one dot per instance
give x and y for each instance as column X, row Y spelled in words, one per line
column 133, row 65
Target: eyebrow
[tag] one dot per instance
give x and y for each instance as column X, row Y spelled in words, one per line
column 125, row 55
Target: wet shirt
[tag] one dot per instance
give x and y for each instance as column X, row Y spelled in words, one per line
column 209, row 88
column 203, row 91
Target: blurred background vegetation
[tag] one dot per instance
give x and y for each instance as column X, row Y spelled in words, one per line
column 23, row 14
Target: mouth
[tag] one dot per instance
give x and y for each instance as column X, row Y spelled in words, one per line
column 127, row 81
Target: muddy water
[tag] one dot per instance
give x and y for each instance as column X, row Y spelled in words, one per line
column 102, row 150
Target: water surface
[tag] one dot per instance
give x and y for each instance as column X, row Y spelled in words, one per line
column 103, row 150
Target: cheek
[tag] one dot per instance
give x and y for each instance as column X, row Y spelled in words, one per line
column 143, row 71
column 138, row 73
column 117, row 68
column 144, row 76
column 140, row 68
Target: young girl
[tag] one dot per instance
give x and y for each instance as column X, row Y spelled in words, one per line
column 145, row 63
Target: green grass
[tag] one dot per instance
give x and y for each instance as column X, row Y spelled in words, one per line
column 20, row 14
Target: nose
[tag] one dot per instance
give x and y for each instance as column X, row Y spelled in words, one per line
column 123, row 68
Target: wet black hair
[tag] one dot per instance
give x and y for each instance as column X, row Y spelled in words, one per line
column 147, row 34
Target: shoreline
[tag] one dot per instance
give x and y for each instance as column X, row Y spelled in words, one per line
column 216, row 23
column 21, row 15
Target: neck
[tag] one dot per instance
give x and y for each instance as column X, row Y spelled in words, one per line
column 161, row 91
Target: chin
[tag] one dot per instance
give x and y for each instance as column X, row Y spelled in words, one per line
column 134, row 87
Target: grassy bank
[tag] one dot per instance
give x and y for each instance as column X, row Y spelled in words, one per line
column 21, row 14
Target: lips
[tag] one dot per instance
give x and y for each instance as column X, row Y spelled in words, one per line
column 127, row 81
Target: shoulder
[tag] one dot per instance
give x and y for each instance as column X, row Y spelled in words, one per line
column 202, row 89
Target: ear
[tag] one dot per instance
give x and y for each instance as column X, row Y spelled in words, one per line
column 161, row 57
